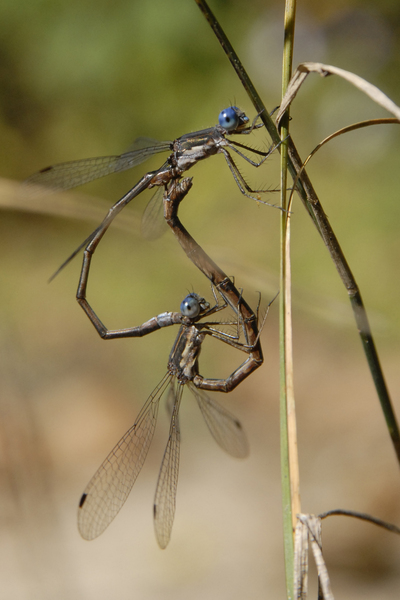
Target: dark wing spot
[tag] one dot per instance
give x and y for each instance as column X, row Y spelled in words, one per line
column 154, row 510
column 82, row 500
column 45, row 169
column 238, row 424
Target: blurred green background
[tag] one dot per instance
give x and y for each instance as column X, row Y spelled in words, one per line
column 85, row 78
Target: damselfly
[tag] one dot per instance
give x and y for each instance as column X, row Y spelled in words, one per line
column 185, row 152
column 110, row 486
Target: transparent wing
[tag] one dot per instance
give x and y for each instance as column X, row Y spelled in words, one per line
column 144, row 142
column 225, row 428
column 170, row 401
column 165, row 496
column 153, row 222
column 108, row 489
column 65, row 176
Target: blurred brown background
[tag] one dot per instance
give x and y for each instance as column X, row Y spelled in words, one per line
column 83, row 79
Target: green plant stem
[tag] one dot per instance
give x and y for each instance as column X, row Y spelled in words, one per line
column 288, row 436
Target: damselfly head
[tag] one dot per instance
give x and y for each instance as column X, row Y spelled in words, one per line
column 232, row 118
column 193, row 305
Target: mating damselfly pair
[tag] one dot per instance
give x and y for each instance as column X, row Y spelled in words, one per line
column 110, row 486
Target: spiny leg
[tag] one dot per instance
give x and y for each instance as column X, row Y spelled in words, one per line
column 232, row 143
column 242, row 184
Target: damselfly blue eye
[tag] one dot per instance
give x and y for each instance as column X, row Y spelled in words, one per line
column 229, row 118
column 190, row 306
